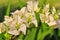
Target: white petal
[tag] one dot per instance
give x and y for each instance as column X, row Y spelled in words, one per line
column 13, row 32
column 23, row 10
column 17, row 11
column 19, row 20
column 35, row 6
column 23, row 29
column 58, row 21
column 8, row 19
column 12, row 25
column 52, row 23
column 2, row 28
column 35, row 22
column 42, row 17
column 51, row 18
column 30, row 5
column 53, row 11
column 59, row 13
column 47, row 6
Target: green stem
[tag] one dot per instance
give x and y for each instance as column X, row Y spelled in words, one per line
column 8, row 8
column 20, row 37
column 44, row 34
column 31, row 35
column 42, row 3
column 21, row 3
column 55, row 36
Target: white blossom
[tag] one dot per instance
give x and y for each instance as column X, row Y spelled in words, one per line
column 14, row 32
column 32, row 6
column 2, row 28
column 47, row 17
column 30, row 18
column 46, row 8
column 23, row 29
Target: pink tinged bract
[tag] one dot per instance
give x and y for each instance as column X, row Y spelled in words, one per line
column 35, row 23
column 13, row 32
column 23, row 29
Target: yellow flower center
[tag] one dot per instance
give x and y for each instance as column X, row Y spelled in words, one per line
column 17, row 25
column 56, row 16
column 29, row 18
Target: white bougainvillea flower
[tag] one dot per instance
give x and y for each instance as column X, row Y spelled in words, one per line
column 13, row 24
column 46, row 8
column 47, row 17
column 23, row 10
column 51, row 18
column 52, row 23
column 16, row 24
column 59, row 13
column 20, row 20
column 58, row 24
column 56, row 15
column 42, row 17
column 58, row 21
column 15, row 14
column 7, row 20
column 10, row 25
column 22, row 29
column 2, row 28
column 14, row 28
column 17, row 17
column 34, row 21
column 32, row 6
column 30, row 18
column 36, row 8
column 14, row 32
column 23, row 15
column 53, row 10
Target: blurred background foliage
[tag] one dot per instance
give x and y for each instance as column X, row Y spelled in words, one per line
column 15, row 3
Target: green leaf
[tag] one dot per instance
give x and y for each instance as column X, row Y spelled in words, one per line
column 20, row 37
column 21, row 3
column 44, row 31
column 31, row 35
column 59, row 33
column 8, row 8
column 42, row 3
column 1, row 37
column 51, row 34
column 44, row 34
column 45, row 27
column 39, row 34
column 7, row 36
column 37, row 16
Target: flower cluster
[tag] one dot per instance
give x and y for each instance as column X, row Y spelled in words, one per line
column 20, row 20
column 50, row 16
